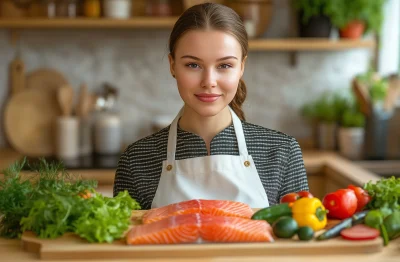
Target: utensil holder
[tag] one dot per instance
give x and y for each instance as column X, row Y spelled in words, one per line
column 67, row 138
column 376, row 131
column 85, row 136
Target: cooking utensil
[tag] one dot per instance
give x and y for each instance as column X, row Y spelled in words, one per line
column 84, row 102
column 362, row 93
column 29, row 119
column 65, row 98
column 84, row 107
column 17, row 75
column 393, row 94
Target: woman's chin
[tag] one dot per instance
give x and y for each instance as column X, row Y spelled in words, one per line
column 208, row 110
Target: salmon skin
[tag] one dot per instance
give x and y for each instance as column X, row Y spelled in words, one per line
column 211, row 207
column 196, row 227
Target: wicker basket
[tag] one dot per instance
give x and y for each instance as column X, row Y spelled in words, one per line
column 189, row 3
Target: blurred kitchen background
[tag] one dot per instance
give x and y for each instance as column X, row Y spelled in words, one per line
column 82, row 79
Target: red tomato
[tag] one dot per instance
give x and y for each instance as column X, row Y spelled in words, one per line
column 289, row 198
column 362, row 196
column 341, row 203
column 305, row 194
column 360, row 232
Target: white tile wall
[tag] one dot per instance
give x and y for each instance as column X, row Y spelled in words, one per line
column 137, row 63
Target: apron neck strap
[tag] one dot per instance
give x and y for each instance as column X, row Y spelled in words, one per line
column 237, row 124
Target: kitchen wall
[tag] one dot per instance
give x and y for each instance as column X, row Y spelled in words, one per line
column 136, row 62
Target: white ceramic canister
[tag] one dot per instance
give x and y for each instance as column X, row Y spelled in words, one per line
column 119, row 9
column 67, row 138
column 107, row 133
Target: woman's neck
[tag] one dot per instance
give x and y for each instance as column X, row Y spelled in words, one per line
column 205, row 127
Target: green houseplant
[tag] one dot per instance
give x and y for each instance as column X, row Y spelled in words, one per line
column 324, row 113
column 312, row 18
column 356, row 17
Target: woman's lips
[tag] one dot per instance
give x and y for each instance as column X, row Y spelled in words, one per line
column 207, row 97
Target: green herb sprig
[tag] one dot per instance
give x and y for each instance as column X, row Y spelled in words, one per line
column 385, row 193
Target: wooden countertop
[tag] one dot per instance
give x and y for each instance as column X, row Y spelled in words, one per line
column 315, row 162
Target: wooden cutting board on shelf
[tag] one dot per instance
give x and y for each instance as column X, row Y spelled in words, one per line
column 29, row 122
column 70, row 246
column 46, row 80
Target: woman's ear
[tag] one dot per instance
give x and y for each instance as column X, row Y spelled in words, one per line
column 242, row 66
column 171, row 64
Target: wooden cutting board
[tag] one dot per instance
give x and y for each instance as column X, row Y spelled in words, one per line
column 45, row 80
column 29, row 122
column 70, row 246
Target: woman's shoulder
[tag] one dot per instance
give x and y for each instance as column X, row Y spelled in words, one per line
column 261, row 133
column 151, row 142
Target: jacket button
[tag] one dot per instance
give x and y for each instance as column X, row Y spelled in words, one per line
column 169, row 167
column 247, row 163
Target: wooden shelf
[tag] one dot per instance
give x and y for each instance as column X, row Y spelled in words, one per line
column 87, row 23
column 311, row 44
column 289, row 44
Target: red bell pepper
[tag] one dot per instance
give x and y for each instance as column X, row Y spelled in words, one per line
column 341, row 204
column 362, row 197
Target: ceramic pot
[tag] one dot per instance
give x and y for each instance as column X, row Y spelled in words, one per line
column 354, row 30
column 351, row 142
column 327, row 136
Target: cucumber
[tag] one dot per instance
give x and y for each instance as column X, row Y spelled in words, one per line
column 272, row 213
column 305, row 233
column 285, row 227
column 345, row 223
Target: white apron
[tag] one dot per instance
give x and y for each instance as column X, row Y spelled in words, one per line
column 217, row 177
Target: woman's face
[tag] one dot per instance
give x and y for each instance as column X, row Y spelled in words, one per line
column 207, row 66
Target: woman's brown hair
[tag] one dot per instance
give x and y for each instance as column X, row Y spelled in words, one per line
column 218, row 17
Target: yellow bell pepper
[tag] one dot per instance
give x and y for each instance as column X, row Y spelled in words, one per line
column 309, row 212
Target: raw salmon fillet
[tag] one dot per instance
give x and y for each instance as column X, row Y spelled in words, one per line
column 195, row 227
column 235, row 229
column 172, row 230
column 212, row 207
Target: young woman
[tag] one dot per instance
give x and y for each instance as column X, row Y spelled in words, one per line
column 209, row 151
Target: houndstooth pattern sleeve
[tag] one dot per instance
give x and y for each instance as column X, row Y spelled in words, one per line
column 295, row 176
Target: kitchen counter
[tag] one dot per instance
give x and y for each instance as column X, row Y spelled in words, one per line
column 323, row 165
column 314, row 161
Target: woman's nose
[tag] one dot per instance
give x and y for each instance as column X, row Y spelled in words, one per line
column 209, row 79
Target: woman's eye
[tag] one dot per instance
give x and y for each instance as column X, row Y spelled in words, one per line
column 225, row 66
column 193, row 65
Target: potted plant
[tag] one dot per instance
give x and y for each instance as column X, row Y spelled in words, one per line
column 309, row 113
column 356, row 17
column 351, row 133
column 312, row 18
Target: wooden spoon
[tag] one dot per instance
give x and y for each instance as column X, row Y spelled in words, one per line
column 362, row 93
column 393, row 94
column 65, row 96
column 83, row 108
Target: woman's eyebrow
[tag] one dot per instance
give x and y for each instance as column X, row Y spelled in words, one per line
column 219, row 59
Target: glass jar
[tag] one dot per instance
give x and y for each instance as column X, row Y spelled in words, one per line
column 66, row 8
column 92, row 8
column 158, row 8
column 48, row 8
